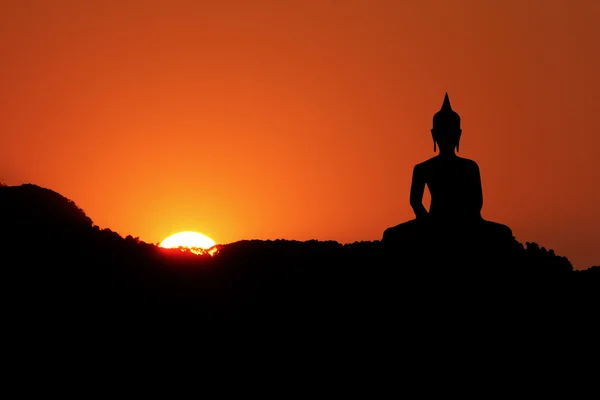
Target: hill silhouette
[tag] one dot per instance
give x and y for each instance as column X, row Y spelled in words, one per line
column 56, row 262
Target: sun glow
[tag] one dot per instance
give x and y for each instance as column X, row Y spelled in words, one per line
column 195, row 242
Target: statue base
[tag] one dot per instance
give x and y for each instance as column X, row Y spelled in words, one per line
column 458, row 247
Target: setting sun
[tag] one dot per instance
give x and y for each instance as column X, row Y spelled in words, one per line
column 196, row 242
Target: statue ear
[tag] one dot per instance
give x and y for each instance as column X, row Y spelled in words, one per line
column 458, row 140
column 434, row 146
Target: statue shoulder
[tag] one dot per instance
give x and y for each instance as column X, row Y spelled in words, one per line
column 470, row 163
column 426, row 164
column 423, row 169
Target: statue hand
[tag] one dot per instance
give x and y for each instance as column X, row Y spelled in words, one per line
column 424, row 217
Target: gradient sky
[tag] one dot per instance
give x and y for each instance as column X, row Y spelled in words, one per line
column 302, row 119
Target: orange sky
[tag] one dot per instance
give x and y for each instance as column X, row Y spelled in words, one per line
column 302, row 119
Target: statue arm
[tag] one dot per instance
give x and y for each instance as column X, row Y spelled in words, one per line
column 417, row 188
column 479, row 197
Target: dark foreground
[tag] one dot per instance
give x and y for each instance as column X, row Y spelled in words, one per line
column 58, row 268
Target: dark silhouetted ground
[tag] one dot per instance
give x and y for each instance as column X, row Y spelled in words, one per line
column 58, row 268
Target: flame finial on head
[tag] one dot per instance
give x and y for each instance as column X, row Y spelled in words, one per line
column 446, row 105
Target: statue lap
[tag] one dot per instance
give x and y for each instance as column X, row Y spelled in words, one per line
column 426, row 235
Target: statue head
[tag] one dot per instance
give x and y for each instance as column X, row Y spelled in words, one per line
column 446, row 127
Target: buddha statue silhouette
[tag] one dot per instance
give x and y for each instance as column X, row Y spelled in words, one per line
column 456, row 194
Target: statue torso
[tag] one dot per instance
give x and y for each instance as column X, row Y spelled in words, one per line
column 455, row 187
